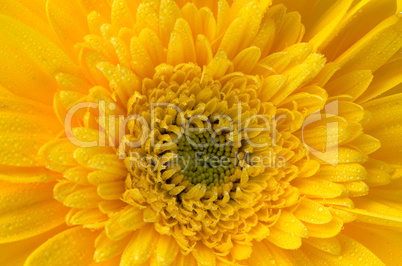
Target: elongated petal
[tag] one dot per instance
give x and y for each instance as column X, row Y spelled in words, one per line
column 141, row 246
column 283, row 239
column 107, row 249
column 385, row 244
column 28, row 210
column 36, row 65
column 372, row 212
column 68, row 21
column 16, row 253
column 381, row 44
column 312, row 212
column 352, row 253
column 166, row 250
column 72, row 247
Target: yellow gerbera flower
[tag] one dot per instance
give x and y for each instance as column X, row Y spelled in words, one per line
column 159, row 132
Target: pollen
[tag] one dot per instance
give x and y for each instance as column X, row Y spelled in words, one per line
column 206, row 160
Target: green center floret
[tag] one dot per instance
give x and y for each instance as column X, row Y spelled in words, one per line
column 206, row 160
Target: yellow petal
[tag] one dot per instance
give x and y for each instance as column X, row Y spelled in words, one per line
column 68, row 82
column 319, row 30
column 89, row 61
column 32, row 83
column 317, row 187
column 241, row 252
column 29, row 16
column 167, row 250
column 271, row 85
column 328, row 245
column 141, row 246
column 223, row 14
column 16, row 253
column 283, row 239
column 58, row 154
column 77, row 175
column 220, row 65
column 378, row 173
column 141, row 61
column 353, row 84
column 26, row 174
column 289, row 223
column 203, row 50
column 309, row 168
column 342, row 172
column 27, row 210
column 181, row 45
column 385, row 78
column 385, row 244
column 242, row 30
column 327, row 230
column 308, row 100
column 111, row 191
column 326, row 74
column 346, row 217
column 38, row 7
column 108, row 163
column 82, row 198
column 153, row 45
column 288, row 257
column 346, row 202
column 111, row 206
column 387, row 193
column 39, row 62
column 114, row 231
column 106, row 249
column 300, row 75
column 72, row 247
column 351, row 111
column 204, row 255
column 356, row 189
column 384, row 110
column 95, row 22
column 347, row 155
column 372, row 212
column 147, row 15
column 100, row 177
column 380, row 44
column 169, row 12
column 101, row 46
column 185, row 260
column 90, row 218
column 259, row 232
column 352, row 253
column 358, row 21
column 260, row 255
column 83, row 155
column 100, row 6
column 366, row 144
column 68, row 21
column 265, row 37
column 122, row 52
column 247, row 59
column 290, row 33
column 131, row 219
column 312, row 212
column 121, row 15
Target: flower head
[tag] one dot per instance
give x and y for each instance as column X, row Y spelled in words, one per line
column 210, row 132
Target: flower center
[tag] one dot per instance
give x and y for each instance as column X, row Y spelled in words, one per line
column 207, row 152
column 206, row 159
